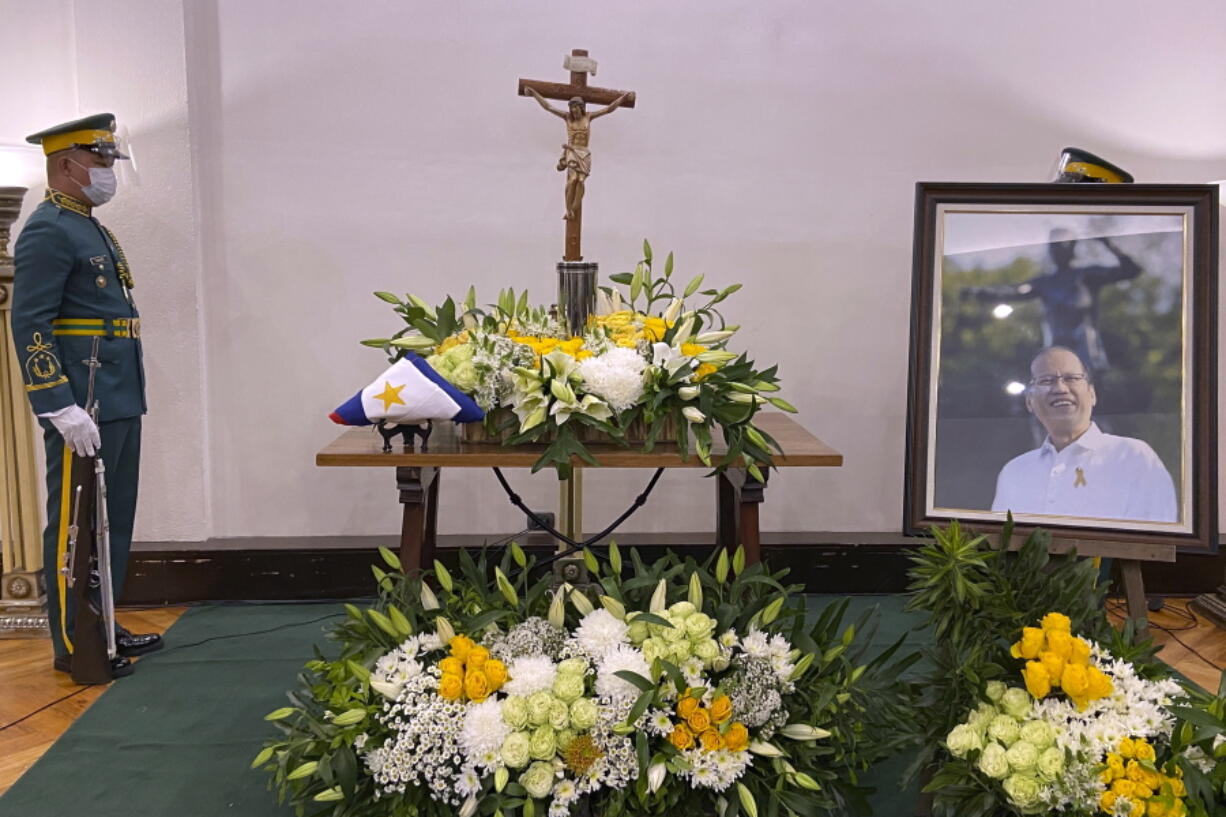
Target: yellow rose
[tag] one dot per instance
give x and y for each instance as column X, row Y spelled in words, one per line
column 451, row 665
column 686, row 706
column 1127, row 748
column 1141, row 749
column 1038, row 682
column 1054, row 665
column 1101, row 687
column 1079, row 653
column 1138, row 809
column 461, row 645
column 737, row 738
column 1060, row 643
column 1115, row 765
column 477, row 657
column 699, row 721
column 1123, row 787
column 476, row 685
column 721, row 709
column 1031, row 644
column 1155, row 809
column 495, row 672
column 1177, row 787
column 451, row 687
column 712, row 740
column 1056, row 621
column 681, row 737
column 1076, row 682
column 1107, row 801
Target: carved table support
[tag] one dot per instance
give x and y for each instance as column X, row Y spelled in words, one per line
column 418, row 489
column 738, row 496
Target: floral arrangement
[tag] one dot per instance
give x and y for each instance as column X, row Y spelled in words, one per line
column 674, row 687
column 1044, row 720
column 650, row 364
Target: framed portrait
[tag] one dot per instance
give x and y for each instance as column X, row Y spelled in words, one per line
column 1063, row 362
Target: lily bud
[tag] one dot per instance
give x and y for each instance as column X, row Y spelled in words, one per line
column 659, row 598
column 429, row 601
column 501, row 778
column 674, row 309
column 331, row 795
column 708, row 338
column 561, row 390
column 444, row 629
column 417, row 301
column 806, row 782
column 747, row 801
column 350, row 717
column 414, row 342
column 469, row 808
column 557, row 610
column 615, row 607
column 688, row 392
column 655, row 777
column 581, row 603
column 695, row 596
column 716, row 356
column 693, row 415
column 802, row 731
column 765, row 749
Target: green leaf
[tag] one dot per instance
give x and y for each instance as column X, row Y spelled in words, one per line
column 639, row 681
column 693, row 286
column 640, row 706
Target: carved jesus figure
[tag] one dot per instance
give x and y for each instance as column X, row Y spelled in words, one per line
column 576, row 157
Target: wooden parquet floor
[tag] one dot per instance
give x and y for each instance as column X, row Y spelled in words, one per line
column 27, row 681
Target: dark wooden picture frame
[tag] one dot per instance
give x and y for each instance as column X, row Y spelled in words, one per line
column 978, row 221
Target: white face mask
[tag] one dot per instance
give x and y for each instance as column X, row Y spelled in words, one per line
column 102, row 183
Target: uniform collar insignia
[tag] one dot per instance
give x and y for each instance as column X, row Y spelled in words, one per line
column 67, row 202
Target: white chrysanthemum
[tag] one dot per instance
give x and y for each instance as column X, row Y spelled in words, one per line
column 616, row 376
column 483, row 733
column 620, row 658
column 756, row 644
column 600, row 632
column 529, row 674
column 469, row 782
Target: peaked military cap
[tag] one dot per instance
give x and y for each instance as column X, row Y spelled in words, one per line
column 93, row 133
column 1077, row 165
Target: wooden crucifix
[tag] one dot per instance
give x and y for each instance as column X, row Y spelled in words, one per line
column 576, row 157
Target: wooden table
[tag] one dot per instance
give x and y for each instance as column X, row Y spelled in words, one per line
column 417, row 476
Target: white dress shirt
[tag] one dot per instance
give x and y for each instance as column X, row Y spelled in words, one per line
column 1098, row 475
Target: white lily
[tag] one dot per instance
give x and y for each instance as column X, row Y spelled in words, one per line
column 604, row 303
column 668, row 358
column 563, row 366
column 591, row 405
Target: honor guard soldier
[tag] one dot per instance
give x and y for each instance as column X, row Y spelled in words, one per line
column 73, row 285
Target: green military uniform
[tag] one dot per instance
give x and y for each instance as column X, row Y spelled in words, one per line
column 73, row 285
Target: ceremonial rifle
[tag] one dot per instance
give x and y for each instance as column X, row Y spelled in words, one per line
column 88, row 560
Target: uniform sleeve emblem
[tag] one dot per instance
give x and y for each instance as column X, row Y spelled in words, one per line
column 42, row 364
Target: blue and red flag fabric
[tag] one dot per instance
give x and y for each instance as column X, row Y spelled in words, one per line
column 408, row 393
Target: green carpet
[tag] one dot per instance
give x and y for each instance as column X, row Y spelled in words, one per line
column 177, row 737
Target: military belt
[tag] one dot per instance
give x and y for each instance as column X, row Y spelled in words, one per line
column 97, row 327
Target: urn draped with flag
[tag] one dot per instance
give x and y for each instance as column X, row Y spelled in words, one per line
column 408, row 393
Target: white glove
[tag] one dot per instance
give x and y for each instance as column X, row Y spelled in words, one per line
column 78, row 430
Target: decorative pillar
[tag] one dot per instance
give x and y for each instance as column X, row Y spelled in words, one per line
column 23, row 601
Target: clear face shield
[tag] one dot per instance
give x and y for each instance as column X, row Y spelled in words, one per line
column 126, row 171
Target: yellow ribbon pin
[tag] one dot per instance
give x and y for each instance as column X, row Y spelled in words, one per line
column 1080, row 480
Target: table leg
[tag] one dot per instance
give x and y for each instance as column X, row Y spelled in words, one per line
column 726, row 491
column 738, row 497
column 417, row 487
column 752, row 494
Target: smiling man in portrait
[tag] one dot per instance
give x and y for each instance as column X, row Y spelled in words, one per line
column 1079, row 470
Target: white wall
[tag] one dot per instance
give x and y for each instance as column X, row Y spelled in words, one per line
column 330, row 151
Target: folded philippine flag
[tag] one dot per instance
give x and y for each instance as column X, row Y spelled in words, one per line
column 408, row 393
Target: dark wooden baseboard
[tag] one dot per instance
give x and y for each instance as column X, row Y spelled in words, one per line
column 288, row 568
